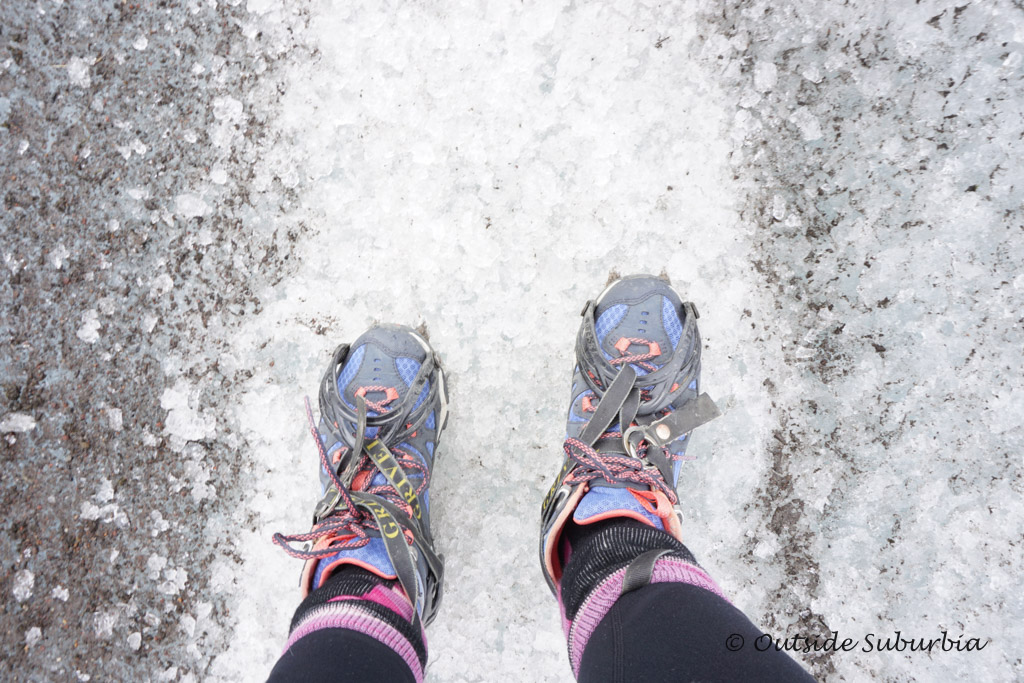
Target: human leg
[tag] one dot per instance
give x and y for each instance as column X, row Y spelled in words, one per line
column 635, row 603
column 372, row 579
column 355, row 628
column 678, row 625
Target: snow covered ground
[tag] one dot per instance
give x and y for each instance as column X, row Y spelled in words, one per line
column 202, row 201
column 483, row 179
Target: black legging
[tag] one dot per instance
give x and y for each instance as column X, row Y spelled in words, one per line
column 659, row 633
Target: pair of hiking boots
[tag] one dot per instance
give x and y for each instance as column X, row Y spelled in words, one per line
column 384, row 404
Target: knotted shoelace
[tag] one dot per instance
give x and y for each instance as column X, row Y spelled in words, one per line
column 348, row 526
column 615, row 468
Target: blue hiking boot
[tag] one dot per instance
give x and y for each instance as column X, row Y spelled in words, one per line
column 635, row 399
column 383, row 404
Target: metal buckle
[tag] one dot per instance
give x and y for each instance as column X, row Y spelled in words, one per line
column 327, row 504
column 561, row 495
column 627, row 438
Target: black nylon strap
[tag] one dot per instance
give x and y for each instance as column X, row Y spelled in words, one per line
column 400, row 553
column 393, row 472
column 628, row 412
column 608, row 408
column 360, row 434
column 683, row 421
column 640, row 570
column 397, row 548
column 656, row 456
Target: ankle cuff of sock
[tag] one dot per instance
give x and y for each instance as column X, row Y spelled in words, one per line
column 596, row 605
column 599, row 550
column 358, row 600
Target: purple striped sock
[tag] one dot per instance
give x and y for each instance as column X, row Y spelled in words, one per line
column 361, row 601
column 352, row 615
column 601, row 599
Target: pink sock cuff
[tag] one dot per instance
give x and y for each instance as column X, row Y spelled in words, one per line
column 601, row 599
column 392, row 598
column 347, row 614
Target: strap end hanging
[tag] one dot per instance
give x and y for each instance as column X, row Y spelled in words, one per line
column 694, row 414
